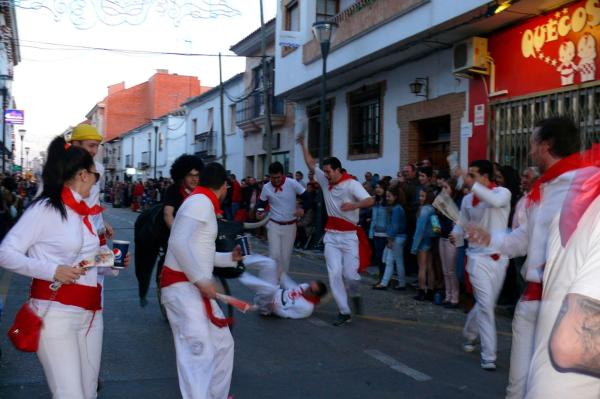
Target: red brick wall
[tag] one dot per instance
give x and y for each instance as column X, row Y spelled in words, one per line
column 129, row 108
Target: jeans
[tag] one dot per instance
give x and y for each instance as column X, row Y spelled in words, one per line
column 378, row 248
column 394, row 255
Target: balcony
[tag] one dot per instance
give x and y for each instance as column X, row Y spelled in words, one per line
column 145, row 161
column 204, row 145
column 251, row 113
column 110, row 163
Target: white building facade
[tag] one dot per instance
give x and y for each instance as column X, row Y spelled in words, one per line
column 204, row 134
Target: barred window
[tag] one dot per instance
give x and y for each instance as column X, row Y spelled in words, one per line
column 365, row 107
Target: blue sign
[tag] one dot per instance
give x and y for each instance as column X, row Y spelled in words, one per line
column 14, row 116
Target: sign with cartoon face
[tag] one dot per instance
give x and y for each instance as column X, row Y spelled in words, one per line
column 556, row 49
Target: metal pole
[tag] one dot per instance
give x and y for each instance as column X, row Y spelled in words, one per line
column 266, row 87
column 223, row 148
column 323, row 118
column 155, row 149
column 4, row 93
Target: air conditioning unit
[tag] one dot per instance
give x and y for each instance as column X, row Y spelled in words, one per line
column 470, row 55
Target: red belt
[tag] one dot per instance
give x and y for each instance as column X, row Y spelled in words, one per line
column 284, row 223
column 495, row 257
column 169, row 276
column 364, row 248
column 533, row 292
column 83, row 296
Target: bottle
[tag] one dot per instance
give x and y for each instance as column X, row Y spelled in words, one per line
column 437, row 298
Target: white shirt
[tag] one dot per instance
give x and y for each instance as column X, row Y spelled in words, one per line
column 573, row 269
column 531, row 237
column 341, row 193
column 192, row 240
column 283, row 202
column 42, row 240
column 491, row 213
column 290, row 304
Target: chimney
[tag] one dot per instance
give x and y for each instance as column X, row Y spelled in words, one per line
column 112, row 89
column 162, row 71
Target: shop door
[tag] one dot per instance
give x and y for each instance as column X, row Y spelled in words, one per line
column 434, row 140
column 513, row 121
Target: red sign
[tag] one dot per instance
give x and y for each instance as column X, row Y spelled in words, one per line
column 557, row 49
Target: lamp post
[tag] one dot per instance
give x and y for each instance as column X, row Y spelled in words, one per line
column 22, row 135
column 27, row 156
column 5, row 82
column 156, row 124
column 323, row 31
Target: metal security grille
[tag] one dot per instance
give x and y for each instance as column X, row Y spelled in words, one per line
column 512, row 121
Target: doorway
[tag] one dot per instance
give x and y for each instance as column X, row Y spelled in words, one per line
column 434, row 140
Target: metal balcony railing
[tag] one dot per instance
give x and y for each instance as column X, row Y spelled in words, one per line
column 253, row 108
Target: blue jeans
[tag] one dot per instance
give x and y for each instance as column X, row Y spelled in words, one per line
column 460, row 264
column 394, row 255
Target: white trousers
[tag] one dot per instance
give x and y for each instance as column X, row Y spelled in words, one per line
column 70, row 350
column 281, row 244
column 523, row 346
column 265, row 284
column 204, row 351
column 487, row 277
column 341, row 256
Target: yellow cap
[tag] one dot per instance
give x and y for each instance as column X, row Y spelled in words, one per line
column 86, row 132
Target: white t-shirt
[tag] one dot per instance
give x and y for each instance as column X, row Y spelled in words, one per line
column 491, row 213
column 573, row 269
column 192, row 241
column 282, row 203
column 341, row 193
column 290, row 304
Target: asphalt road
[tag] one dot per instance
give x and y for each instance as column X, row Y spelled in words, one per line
column 399, row 348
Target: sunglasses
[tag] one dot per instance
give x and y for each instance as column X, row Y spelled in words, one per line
column 96, row 175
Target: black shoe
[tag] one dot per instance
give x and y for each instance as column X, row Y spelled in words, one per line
column 420, row 296
column 429, row 295
column 379, row 287
column 357, row 304
column 342, row 319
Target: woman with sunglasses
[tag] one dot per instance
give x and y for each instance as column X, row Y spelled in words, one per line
column 49, row 243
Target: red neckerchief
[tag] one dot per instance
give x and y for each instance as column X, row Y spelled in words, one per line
column 345, row 176
column 211, row 196
column 278, row 187
column 476, row 199
column 183, row 191
column 567, row 164
column 315, row 300
column 80, row 207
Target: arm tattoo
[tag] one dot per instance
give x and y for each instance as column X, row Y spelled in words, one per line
column 589, row 333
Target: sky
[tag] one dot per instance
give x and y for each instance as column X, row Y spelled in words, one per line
column 57, row 86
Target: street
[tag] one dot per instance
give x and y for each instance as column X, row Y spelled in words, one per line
column 399, row 348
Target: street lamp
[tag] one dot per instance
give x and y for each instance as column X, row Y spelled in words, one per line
column 22, row 134
column 5, row 82
column 27, row 156
column 323, row 31
column 156, row 124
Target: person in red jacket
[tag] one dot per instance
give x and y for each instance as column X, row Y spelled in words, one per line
column 138, row 193
column 236, row 194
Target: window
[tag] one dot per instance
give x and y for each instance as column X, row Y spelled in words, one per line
column 327, row 9
column 364, row 116
column 210, row 120
column 128, row 161
column 292, row 17
column 314, row 128
column 232, row 114
column 194, row 126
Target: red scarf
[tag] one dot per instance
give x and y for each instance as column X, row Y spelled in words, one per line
column 567, row 164
column 80, row 208
column 345, row 176
column 315, row 300
column 476, row 199
column 211, row 196
column 278, row 187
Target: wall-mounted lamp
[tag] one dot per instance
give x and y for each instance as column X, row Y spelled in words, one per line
column 497, row 7
column 418, row 85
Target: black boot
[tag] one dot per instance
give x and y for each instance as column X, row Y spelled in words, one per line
column 420, row 295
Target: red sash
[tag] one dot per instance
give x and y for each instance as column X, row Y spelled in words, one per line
column 83, row 296
column 364, row 249
column 345, row 176
column 533, row 292
column 80, row 208
column 170, row 276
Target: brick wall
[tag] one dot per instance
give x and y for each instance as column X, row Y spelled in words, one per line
column 409, row 115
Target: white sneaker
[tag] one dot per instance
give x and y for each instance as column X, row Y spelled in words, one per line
column 488, row 365
column 470, row 345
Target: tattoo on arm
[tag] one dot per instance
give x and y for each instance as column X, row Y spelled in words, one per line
column 577, row 333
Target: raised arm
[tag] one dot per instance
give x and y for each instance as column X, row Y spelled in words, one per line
column 497, row 199
column 310, row 161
